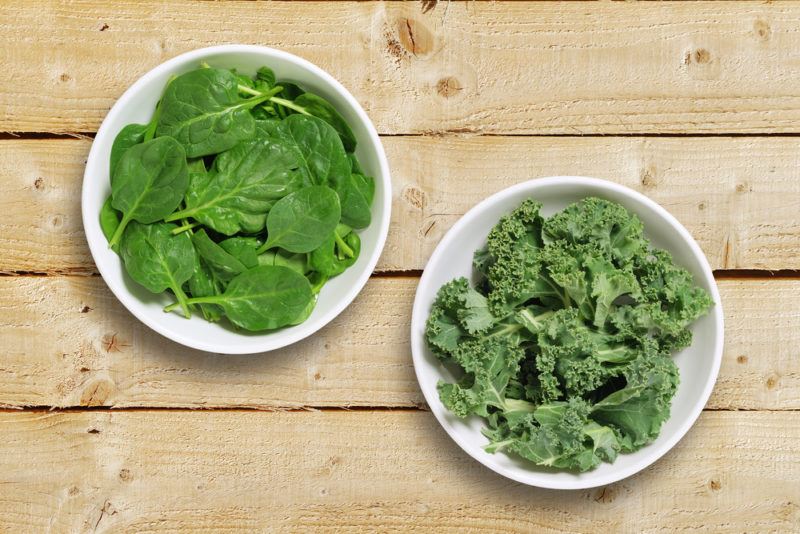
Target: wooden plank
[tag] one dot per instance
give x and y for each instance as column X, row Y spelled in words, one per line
column 521, row 67
column 739, row 197
column 68, row 342
column 376, row 471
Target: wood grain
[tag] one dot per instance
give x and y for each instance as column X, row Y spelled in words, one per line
column 68, row 342
column 739, row 197
column 374, row 471
column 521, row 67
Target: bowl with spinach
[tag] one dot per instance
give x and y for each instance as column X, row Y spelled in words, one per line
column 236, row 199
column 567, row 332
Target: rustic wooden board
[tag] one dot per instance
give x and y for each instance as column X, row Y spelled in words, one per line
column 68, row 342
column 496, row 67
column 740, row 197
column 356, row 471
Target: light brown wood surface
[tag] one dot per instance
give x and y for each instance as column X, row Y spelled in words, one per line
column 737, row 196
column 374, row 471
column 494, row 67
column 109, row 427
column 68, row 342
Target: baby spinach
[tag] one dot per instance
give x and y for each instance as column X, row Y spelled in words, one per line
column 109, row 219
column 243, row 249
column 244, row 183
column 130, row 135
column 355, row 194
column 157, row 259
column 202, row 109
column 321, row 108
column 323, row 157
column 204, row 283
column 149, row 182
column 224, row 265
column 227, row 156
column 264, row 297
column 301, row 221
column 331, row 258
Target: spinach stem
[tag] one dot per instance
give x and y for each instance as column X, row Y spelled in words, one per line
column 202, row 300
column 343, row 247
column 185, row 227
column 151, row 126
column 263, row 248
column 289, row 104
column 183, row 301
column 118, row 232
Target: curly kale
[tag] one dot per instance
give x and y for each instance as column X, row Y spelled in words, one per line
column 566, row 340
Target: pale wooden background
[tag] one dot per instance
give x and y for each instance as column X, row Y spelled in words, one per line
column 106, row 426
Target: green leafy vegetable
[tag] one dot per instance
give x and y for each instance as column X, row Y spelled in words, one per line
column 149, row 182
column 157, row 259
column 565, row 342
column 202, row 109
column 224, row 157
column 264, row 297
column 130, row 135
column 223, row 264
column 301, row 221
column 321, row 108
column 242, row 186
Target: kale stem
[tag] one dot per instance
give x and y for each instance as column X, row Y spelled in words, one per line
column 289, row 104
column 344, row 247
column 185, row 227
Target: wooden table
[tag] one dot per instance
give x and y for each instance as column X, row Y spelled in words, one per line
column 107, row 426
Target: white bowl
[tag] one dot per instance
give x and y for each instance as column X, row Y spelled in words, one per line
column 698, row 364
column 137, row 105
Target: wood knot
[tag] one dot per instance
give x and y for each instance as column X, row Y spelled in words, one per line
column 317, row 376
column 702, row 56
column 125, row 475
column 111, row 343
column 772, row 382
column 606, row 495
column 39, row 183
column 743, row 187
column 741, row 359
column 448, row 87
column 57, row 221
column 701, row 206
column 73, row 490
column 648, row 176
column 104, row 27
column 97, row 393
column 86, row 309
column 414, row 37
column 715, row 485
column 762, row 30
column 65, row 77
column 415, row 197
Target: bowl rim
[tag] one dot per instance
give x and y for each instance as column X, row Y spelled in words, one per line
column 544, row 479
column 274, row 340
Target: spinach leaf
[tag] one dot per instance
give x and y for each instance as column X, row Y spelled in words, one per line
column 203, row 283
column 243, row 185
column 157, row 259
column 323, row 156
column 356, row 192
column 149, row 182
column 109, row 220
column 319, row 107
column 243, row 249
column 263, row 298
column 306, row 313
column 355, row 165
column 130, row 135
column 266, row 75
column 202, row 109
column 223, row 264
column 301, row 221
column 330, row 259
column 296, row 262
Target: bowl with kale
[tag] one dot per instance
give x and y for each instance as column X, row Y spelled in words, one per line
column 567, row 332
column 236, row 199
